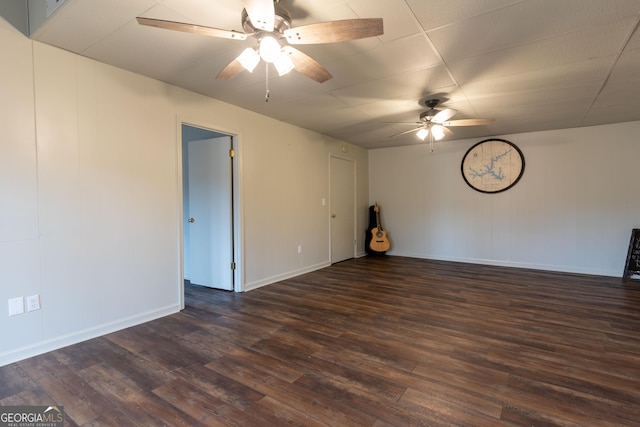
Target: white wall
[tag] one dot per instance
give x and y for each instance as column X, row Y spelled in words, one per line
column 90, row 196
column 19, row 248
column 573, row 210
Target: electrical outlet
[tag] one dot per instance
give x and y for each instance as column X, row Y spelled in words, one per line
column 16, row 306
column 33, row 303
column 299, row 249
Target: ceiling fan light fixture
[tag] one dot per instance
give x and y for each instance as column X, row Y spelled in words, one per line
column 438, row 132
column 283, row 63
column 249, row 59
column 270, row 49
column 422, row 133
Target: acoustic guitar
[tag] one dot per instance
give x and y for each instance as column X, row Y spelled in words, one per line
column 379, row 241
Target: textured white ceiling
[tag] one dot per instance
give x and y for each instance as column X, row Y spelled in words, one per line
column 530, row 64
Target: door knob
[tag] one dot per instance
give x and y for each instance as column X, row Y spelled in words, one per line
column 333, row 215
column 191, row 220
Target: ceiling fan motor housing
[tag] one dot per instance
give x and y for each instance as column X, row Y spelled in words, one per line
column 427, row 116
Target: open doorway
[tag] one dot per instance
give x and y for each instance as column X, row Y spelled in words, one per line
column 210, row 234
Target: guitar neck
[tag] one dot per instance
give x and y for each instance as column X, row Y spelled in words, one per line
column 377, row 209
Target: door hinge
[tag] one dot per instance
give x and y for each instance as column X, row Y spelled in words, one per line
column 233, row 265
column 232, row 153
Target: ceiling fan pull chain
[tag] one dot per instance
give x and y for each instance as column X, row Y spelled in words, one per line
column 266, row 96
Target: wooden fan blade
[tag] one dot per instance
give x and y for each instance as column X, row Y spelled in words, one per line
column 191, row 28
column 262, row 13
column 405, row 132
column 403, row 123
column 335, row 31
column 443, row 115
column 468, row 122
column 231, row 70
column 308, row 66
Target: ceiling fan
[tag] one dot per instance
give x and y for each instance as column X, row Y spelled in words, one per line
column 436, row 122
column 270, row 24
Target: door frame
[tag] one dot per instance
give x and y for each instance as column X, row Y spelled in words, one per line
column 209, row 262
column 237, row 205
column 355, row 205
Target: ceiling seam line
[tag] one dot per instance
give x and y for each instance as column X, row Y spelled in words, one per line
column 433, row 47
column 612, row 65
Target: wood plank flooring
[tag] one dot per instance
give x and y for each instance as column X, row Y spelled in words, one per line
column 382, row 341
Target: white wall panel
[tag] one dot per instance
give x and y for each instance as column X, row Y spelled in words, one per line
column 129, row 174
column 18, row 189
column 59, row 189
column 107, row 174
column 573, row 209
column 19, row 277
column 607, row 209
column 19, row 262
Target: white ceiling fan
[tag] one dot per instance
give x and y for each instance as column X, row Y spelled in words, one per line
column 270, row 24
column 435, row 123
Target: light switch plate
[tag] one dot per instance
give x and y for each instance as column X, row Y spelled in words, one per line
column 16, row 306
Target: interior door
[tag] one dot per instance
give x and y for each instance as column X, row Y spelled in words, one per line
column 210, row 222
column 343, row 209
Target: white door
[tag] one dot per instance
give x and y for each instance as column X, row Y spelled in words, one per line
column 210, row 219
column 343, row 209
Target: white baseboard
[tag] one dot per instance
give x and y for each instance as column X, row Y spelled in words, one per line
column 83, row 335
column 502, row 263
column 284, row 276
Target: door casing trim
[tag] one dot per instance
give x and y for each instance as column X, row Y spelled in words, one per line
column 238, row 213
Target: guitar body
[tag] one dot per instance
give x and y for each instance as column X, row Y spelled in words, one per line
column 367, row 233
column 379, row 241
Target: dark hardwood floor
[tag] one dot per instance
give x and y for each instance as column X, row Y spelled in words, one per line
column 384, row 341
